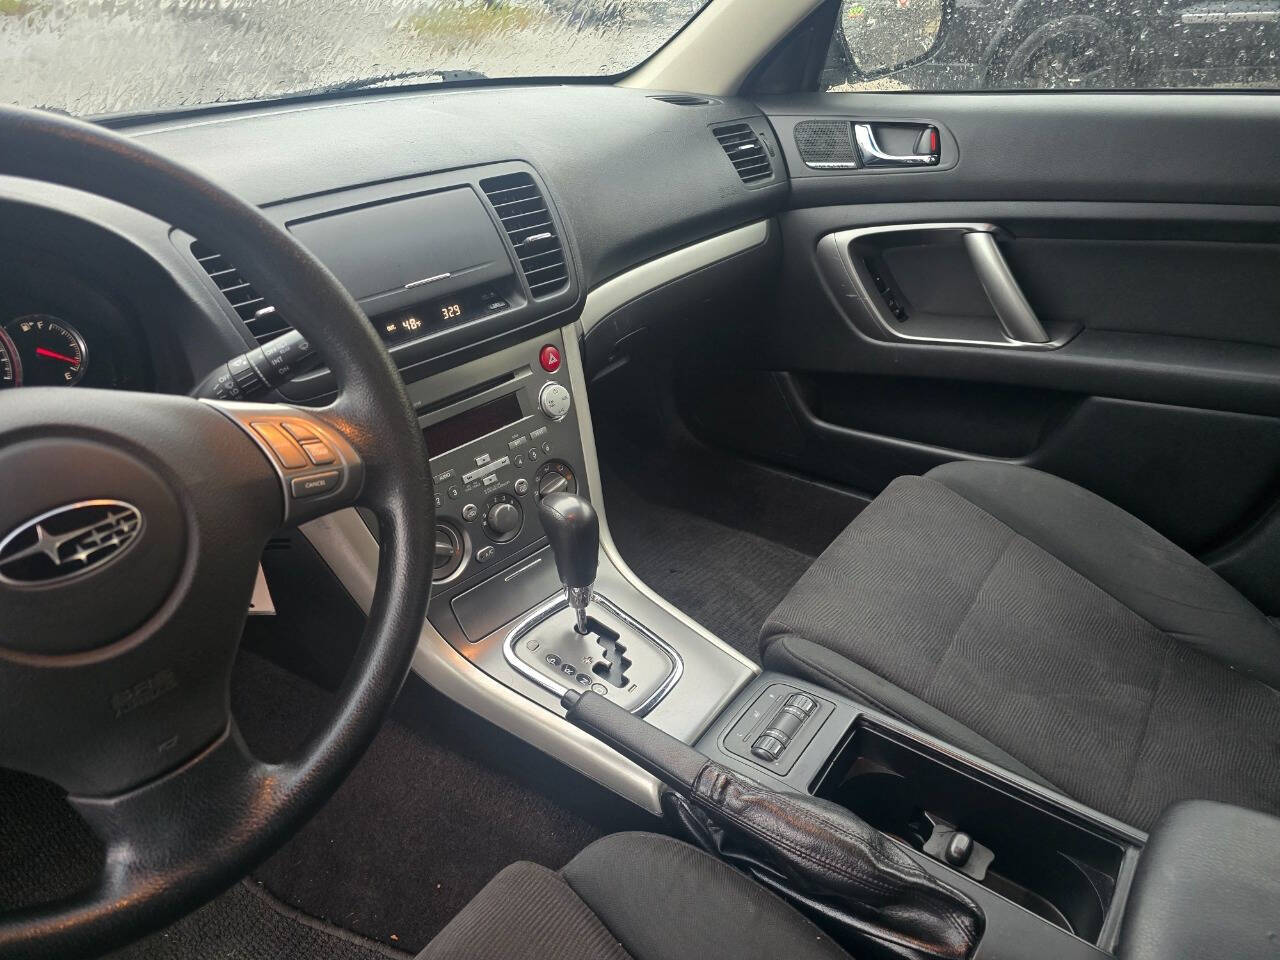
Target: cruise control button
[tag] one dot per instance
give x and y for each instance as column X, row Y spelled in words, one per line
column 315, row 484
column 319, row 452
column 300, row 431
column 287, row 452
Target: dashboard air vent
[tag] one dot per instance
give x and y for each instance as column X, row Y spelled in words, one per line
column 685, row 99
column 527, row 221
column 258, row 315
column 746, row 152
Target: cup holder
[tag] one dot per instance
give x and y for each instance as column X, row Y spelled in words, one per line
column 1022, row 849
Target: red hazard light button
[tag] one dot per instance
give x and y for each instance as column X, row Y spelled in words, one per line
column 549, row 357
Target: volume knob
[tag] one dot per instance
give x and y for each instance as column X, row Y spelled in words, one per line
column 554, row 400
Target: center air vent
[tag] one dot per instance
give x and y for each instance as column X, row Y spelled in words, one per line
column 258, row 315
column 746, row 152
column 527, row 221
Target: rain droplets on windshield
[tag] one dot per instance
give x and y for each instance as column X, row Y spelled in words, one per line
column 90, row 57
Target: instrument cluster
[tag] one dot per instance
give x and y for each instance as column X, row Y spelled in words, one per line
column 58, row 331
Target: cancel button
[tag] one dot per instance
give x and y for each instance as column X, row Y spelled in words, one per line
column 315, row 484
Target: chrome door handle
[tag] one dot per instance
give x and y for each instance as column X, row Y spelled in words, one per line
column 874, row 156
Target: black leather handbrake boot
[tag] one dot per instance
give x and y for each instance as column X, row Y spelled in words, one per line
column 815, row 853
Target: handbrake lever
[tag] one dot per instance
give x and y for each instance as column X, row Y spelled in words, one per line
column 816, row 853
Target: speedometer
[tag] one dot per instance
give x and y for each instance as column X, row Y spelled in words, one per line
column 51, row 351
column 10, row 368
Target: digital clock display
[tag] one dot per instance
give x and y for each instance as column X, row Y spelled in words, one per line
column 429, row 317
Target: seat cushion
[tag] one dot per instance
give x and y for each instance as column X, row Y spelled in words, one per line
column 1035, row 624
column 629, row 896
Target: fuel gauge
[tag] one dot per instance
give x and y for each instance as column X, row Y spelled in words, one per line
column 51, row 351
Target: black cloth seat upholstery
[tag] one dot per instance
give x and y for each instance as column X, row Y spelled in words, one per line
column 1037, row 625
column 629, row 896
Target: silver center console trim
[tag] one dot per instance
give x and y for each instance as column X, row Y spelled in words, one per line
column 349, row 549
column 555, row 604
column 577, row 378
column 345, row 543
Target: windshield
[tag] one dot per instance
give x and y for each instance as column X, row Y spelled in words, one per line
column 93, row 57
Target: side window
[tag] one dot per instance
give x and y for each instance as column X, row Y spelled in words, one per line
column 1054, row 45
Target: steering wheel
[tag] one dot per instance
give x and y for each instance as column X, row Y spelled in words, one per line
column 131, row 527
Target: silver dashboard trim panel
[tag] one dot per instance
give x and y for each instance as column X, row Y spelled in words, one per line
column 625, row 287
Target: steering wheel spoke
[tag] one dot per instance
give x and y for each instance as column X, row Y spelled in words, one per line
column 314, row 459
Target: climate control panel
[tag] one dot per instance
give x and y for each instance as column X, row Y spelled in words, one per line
column 494, row 454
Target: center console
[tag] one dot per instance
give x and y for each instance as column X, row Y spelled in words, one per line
column 1052, row 876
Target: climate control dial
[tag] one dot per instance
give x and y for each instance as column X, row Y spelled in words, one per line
column 503, row 517
column 554, row 476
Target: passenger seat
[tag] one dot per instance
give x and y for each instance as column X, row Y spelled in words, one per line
column 1043, row 628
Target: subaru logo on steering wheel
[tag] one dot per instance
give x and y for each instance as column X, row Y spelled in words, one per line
column 68, row 541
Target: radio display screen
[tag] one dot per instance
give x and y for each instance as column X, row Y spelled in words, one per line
column 471, row 424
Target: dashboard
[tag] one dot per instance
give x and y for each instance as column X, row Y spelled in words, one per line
column 461, row 220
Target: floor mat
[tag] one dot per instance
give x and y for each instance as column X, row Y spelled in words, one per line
column 726, row 579
column 246, row 923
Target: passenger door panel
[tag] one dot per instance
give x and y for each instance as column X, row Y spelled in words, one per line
column 1141, row 231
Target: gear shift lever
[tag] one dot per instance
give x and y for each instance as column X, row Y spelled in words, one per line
column 574, row 531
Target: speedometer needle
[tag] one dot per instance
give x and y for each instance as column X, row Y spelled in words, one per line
column 42, row 352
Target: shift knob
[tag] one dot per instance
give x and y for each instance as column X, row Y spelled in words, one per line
column 574, row 531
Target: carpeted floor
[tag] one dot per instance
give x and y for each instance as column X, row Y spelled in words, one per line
column 439, row 804
column 726, row 579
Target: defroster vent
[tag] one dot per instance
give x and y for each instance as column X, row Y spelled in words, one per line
column 527, row 221
column 745, row 151
column 259, row 316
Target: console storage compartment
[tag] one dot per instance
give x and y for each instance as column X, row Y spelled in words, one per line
column 1043, row 856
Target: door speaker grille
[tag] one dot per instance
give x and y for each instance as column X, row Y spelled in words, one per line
column 826, row 144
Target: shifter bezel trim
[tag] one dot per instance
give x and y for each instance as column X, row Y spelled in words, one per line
column 558, row 603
